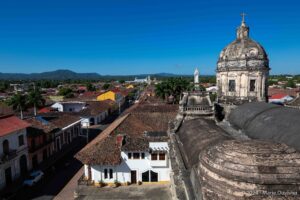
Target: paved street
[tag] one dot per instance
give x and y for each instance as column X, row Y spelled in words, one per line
column 54, row 181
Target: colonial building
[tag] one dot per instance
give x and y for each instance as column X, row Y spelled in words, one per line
column 91, row 112
column 132, row 149
column 242, row 70
column 113, row 95
column 50, row 136
column 13, row 149
column 254, row 152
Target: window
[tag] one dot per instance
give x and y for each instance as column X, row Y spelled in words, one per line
column 136, row 155
column 105, row 173
column 110, row 173
column 143, row 155
column 231, row 85
column 154, row 156
column 129, row 155
column 252, row 85
column 21, row 140
column 5, row 146
column 162, row 156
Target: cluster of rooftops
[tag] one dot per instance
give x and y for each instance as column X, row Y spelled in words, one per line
column 133, row 131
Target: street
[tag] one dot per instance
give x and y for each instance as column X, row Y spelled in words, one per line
column 53, row 181
column 61, row 173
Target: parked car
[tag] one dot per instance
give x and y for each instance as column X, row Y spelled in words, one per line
column 33, row 178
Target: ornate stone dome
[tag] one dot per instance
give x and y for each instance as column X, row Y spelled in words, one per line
column 243, row 52
column 251, row 169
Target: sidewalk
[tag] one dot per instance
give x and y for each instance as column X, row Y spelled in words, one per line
column 68, row 191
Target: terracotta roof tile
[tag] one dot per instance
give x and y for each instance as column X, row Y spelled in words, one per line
column 10, row 124
column 104, row 150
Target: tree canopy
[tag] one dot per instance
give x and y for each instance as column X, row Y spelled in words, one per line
column 172, row 87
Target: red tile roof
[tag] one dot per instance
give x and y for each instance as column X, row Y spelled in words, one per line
column 292, row 92
column 45, row 110
column 10, row 123
column 278, row 96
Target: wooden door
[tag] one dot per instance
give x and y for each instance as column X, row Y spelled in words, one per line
column 133, row 176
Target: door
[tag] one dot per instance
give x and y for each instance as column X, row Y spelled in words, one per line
column 23, row 165
column 133, row 176
column 35, row 162
column 8, row 176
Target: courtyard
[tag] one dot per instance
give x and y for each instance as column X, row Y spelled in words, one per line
column 148, row 191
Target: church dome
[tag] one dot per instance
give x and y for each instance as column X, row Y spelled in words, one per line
column 249, row 169
column 243, row 52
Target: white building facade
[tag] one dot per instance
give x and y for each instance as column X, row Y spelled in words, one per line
column 136, row 166
column 13, row 150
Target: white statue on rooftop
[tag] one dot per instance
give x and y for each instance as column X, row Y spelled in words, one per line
column 196, row 76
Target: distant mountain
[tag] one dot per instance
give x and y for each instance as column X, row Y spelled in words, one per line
column 68, row 74
column 53, row 75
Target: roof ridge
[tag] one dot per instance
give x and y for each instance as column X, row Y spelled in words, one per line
column 106, row 132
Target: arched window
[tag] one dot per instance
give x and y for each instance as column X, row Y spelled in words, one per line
column 5, row 146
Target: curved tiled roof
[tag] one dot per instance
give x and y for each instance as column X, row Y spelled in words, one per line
column 234, row 170
column 268, row 122
column 196, row 135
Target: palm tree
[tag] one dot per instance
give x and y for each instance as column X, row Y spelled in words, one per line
column 18, row 102
column 35, row 99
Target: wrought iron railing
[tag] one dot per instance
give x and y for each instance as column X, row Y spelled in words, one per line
column 9, row 156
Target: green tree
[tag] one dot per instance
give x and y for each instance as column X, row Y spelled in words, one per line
column 35, row 99
column 105, row 86
column 172, row 86
column 90, row 87
column 3, row 86
column 121, row 81
column 66, row 92
column 290, row 83
column 18, row 102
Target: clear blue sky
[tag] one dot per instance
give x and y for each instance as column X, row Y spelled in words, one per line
column 141, row 36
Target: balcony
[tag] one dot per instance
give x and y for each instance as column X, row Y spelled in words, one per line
column 197, row 110
column 9, row 156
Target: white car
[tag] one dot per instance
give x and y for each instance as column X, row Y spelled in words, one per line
column 34, row 177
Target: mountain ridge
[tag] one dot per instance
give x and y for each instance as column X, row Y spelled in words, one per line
column 64, row 74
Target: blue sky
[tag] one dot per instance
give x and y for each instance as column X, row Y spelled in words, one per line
column 141, row 36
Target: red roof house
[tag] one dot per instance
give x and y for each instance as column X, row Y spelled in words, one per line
column 10, row 124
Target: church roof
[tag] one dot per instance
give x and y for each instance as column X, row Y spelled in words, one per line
column 230, row 169
column 268, row 122
column 196, row 135
column 243, row 48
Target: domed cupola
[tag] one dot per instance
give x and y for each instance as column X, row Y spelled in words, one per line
column 242, row 70
column 243, row 52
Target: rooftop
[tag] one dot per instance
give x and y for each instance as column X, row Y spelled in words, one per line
column 105, row 150
column 270, row 122
column 10, row 124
